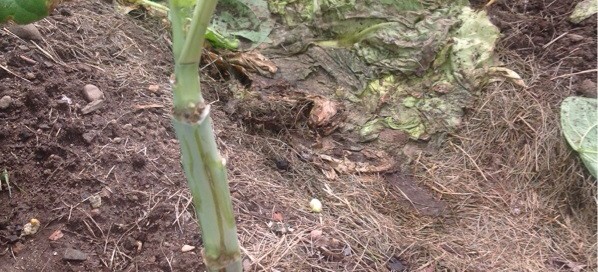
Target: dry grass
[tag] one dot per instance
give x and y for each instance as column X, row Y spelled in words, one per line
column 520, row 199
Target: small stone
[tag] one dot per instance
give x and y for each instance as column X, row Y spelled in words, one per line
column 95, row 201
column 5, row 102
column 105, row 192
column 395, row 264
column 12, row 239
column 127, row 126
column 26, row 32
column 117, row 140
column 95, row 212
column 154, row 88
column 315, row 205
column 89, row 136
column 282, row 164
column 187, row 248
column 246, row 265
column 30, row 76
column 315, row 234
column 18, row 247
column 92, row 93
column 587, row 88
column 575, row 37
column 74, row 255
column 516, row 211
column 92, row 106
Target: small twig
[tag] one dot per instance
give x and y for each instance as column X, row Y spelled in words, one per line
column 45, row 52
column 554, row 40
column 5, row 178
column 576, row 73
column 12, row 73
column 472, row 160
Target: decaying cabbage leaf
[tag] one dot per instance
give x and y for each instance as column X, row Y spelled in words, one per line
column 580, row 128
column 583, row 10
column 424, row 59
column 248, row 19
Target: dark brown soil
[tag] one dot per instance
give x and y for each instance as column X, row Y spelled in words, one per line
column 126, row 152
column 57, row 157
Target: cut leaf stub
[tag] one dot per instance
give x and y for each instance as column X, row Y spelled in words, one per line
column 579, row 123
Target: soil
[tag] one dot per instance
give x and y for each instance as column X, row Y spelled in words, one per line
column 125, row 151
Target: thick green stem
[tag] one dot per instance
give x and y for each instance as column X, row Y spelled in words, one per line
column 206, row 173
column 204, row 168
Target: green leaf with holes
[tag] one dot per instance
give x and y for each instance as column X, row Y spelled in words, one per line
column 579, row 121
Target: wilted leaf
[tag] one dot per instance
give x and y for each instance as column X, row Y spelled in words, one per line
column 249, row 19
column 253, row 62
column 583, row 10
column 322, row 111
column 580, row 128
column 508, row 74
column 382, row 163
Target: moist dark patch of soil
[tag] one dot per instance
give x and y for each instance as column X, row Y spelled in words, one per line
column 57, row 157
column 540, row 32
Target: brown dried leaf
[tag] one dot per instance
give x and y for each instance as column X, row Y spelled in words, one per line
column 380, row 162
column 503, row 73
column 322, row 112
column 277, row 216
column 253, row 62
column 57, row 234
column 329, row 173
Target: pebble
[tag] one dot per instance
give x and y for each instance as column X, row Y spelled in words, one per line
column 95, row 201
column 12, row 239
column 18, row 247
column 588, row 88
column 74, row 255
column 575, row 37
column 89, row 136
column 92, row 106
column 154, row 88
column 26, row 32
column 95, row 212
column 187, row 248
column 92, row 93
column 5, row 102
